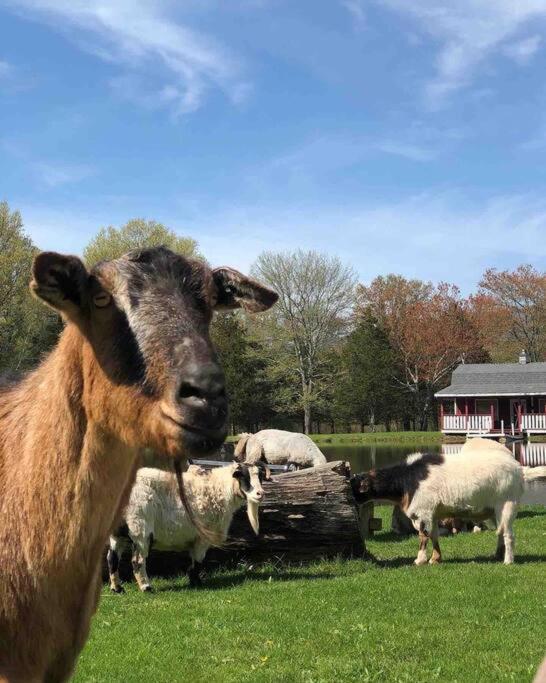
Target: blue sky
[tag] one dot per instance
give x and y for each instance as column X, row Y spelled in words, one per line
column 403, row 135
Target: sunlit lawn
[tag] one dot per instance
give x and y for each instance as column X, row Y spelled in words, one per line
column 469, row 619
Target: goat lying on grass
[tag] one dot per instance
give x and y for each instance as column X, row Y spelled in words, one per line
column 482, row 480
column 155, row 514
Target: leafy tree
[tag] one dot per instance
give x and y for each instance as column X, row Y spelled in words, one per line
column 27, row 329
column 368, row 391
column 138, row 233
column 250, row 400
column 430, row 328
column 315, row 294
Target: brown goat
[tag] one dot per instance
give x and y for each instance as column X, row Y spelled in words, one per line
column 134, row 367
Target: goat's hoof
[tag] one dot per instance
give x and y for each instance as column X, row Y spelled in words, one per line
column 117, row 590
column 510, row 561
column 147, row 589
column 434, row 560
column 419, row 562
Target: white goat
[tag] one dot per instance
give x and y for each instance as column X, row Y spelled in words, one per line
column 482, row 480
column 278, row 447
column 155, row 514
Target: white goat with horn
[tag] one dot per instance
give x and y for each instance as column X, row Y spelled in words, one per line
column 155, row 515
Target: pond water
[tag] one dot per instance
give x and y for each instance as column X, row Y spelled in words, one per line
column 363, row 458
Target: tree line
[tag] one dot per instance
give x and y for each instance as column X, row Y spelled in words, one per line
column 333, row 354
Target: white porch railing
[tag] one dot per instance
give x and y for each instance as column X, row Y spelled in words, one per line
column 533, row 454
column 467, row 423
column 530, row 423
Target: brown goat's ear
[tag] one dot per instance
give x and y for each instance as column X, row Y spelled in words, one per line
column 235, row 290
column 62, row 282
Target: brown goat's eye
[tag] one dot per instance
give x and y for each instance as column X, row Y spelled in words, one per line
column 102, row 299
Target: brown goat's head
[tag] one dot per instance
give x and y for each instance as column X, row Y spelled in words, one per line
column 151, row 375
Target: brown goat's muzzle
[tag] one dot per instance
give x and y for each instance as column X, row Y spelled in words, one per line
column 197, row 407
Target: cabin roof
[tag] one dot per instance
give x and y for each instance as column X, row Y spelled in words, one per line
column 496, row 379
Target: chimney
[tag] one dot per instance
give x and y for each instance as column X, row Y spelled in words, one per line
column 523, row 357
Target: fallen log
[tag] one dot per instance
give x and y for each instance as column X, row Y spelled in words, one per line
column 306, row 515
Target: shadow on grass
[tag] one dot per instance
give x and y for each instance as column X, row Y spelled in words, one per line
column 221, row 581
column 393, row 563
column 397, row 562
column 531, row 513
column 490, row 559
column 391, row 536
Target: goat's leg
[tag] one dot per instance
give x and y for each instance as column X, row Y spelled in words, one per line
column 508, row 514
column 197, row 554
column 436, row 552
column 424, row 531
column 500, row 551
column 112, row 558
column 140, row 553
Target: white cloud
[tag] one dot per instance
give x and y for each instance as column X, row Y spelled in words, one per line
column 522, row 51
column 143, row 37
column 431, row 236
column 408, row 151
column 5, row 69
column 469, row 31
column 54, row 175
column 334, row 152
column 443, row 236
column 357, row 12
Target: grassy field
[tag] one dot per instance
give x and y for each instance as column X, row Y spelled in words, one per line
column 469, row 619
column 363, row 438
column 358, row 439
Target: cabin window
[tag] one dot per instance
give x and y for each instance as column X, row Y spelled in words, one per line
column 483, row 406
column 542, row 405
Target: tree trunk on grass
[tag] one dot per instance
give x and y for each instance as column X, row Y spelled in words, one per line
column 306, row 515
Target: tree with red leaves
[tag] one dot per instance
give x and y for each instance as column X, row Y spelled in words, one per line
column 510, row 312
column 431, row 329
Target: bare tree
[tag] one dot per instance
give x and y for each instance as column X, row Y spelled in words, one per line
column 519, row 300
column 316, row 293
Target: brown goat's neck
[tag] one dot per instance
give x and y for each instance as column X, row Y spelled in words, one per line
column 61, row 475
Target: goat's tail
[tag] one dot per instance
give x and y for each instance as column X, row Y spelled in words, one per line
column 534, row 474
column 212, row 537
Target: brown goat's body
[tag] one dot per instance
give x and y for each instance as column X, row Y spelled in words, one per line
column 59, row 484
column 134, row 368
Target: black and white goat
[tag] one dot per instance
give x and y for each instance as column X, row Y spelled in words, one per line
column 155, row 514
column 481, row 481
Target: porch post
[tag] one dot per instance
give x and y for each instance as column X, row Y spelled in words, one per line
column 519, row 416
column 441, row 415
column 492, row 416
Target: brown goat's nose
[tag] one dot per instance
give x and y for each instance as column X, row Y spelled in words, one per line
column 202, row 383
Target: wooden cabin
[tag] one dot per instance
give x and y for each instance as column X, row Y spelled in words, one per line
column 495, row 399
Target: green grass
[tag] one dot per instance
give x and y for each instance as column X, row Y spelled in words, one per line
column 356, row 439
column 469, row 619
column 363, row 438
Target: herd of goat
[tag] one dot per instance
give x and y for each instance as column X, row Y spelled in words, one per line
column 482, row 482
column 134, row 369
